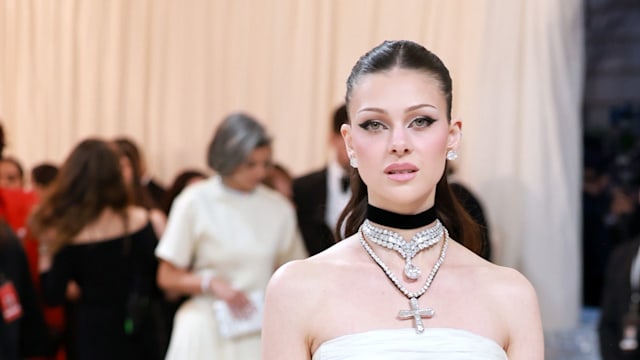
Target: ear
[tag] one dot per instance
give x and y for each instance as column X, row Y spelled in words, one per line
column 345, row 131
column 455, row 134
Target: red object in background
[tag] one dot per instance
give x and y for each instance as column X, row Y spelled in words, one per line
column 15, row 207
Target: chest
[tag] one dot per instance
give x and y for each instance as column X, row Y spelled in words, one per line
column 239, row 229
column 371, row 303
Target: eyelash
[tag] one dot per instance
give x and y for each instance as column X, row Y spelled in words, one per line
column 427, row 119
column 369, row 124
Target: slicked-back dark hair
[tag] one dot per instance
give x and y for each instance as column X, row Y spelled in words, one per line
column 340, row 117
column 409, row 55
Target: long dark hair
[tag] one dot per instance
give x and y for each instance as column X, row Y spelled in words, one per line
column 408, row 55
column 138, row 193
column 89, row 181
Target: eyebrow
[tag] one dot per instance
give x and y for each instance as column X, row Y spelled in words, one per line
column 409, row 109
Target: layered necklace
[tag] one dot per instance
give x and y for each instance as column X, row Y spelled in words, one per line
column 426, row 241
column 407, row 249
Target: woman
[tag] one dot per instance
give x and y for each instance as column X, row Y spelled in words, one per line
column 11, row 173
column 224, row 238
column 363, row 298
column 131, row 164
column 94, row 238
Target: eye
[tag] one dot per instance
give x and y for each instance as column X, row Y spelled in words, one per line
column 422, row 122
column 372, row 125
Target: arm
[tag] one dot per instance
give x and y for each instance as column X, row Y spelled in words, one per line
column 158, row 221
column 526, row 339
column 175, row 280
column 284, row 331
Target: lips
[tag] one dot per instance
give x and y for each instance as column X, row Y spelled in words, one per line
column 401, row 171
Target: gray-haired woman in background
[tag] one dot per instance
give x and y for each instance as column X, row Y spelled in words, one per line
column 224, row 238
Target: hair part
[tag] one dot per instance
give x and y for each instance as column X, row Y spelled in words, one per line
column 401, row 54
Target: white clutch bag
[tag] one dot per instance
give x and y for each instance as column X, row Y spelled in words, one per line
column 231, row 327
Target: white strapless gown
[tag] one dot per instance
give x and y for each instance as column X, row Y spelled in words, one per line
column 405, row 344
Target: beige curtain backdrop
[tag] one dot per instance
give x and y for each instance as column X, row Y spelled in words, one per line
column 165, row 73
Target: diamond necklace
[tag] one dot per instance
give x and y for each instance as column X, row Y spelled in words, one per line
column 392, row 240
column 415, row 312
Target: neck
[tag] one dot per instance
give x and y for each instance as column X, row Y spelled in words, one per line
column 234, row 187
column 401, row 221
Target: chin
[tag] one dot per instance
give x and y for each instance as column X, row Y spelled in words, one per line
column 407, row 198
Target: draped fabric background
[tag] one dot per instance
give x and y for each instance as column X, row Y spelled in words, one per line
column 165, row 73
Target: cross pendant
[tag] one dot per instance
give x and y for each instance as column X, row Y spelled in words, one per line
column 417, row 314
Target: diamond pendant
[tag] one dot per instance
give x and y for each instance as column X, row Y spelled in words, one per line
column 411, row 271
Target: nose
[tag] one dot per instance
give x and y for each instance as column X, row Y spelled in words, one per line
column 399, row 143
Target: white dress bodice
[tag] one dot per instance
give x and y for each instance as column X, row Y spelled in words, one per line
column 434, row 343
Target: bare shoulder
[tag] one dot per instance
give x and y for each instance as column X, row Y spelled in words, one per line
column 138, row 217
column 497, row 280
column 515, row 303
column 502, row 288
column 296, row 296
column 303, row 275
column 305, row 281
column 510, row 284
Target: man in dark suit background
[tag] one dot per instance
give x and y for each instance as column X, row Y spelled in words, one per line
column 321, row 196
column 618, row 320
column 619, row 326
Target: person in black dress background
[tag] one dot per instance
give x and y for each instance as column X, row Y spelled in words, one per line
column 91, row 235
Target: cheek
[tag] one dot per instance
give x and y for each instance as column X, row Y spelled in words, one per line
column 434, row 148
column 370, row 156
column 363, row 149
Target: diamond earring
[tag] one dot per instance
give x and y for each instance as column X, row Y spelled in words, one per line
column 352, row 160
column 452, row 155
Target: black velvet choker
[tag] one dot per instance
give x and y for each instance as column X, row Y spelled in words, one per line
column 400, row 221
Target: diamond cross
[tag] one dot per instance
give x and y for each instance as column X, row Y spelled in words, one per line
column 417, row 314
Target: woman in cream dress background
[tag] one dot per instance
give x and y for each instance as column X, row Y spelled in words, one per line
column 352, row 301
column 224, row 238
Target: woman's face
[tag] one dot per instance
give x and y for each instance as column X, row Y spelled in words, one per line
column 250, row 173
column 399, row 134
column 10, row 175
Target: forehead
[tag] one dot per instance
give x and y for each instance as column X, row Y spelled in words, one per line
column 398, row 88
column 260, row 153
column 8, row 166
